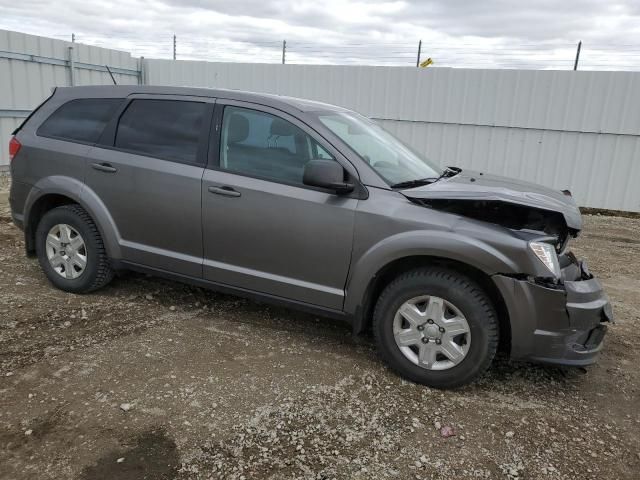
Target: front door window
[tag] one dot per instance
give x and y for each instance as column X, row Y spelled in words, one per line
column 262, row 145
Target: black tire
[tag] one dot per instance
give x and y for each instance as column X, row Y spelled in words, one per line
column 462, row 292
column 98, row 271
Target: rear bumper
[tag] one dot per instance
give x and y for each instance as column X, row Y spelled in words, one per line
column 18, row 220
column 564, row 325
column 17, row 198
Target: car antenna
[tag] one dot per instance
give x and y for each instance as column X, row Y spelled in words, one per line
column 113, row 79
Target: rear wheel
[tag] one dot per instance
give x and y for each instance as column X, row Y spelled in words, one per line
column 70, row 250
column 436, row 327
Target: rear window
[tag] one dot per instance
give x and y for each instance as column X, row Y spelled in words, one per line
column 81, row 120
column 167, row 129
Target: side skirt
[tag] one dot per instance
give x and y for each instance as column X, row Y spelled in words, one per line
column 237, row 291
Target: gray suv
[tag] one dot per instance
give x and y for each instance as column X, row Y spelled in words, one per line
column 312, row 206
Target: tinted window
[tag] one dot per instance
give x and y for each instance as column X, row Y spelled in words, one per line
column 81, row 120
column 263, row 145
column 168, row 129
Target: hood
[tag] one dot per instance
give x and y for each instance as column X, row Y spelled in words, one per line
column 478, row 186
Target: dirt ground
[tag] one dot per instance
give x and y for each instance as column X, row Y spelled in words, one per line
column 153, row 379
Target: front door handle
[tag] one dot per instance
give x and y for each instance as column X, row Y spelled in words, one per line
column 224, row 190
column 104, row 167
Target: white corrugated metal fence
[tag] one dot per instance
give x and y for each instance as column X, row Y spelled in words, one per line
column 30, row 66
column 564, row 129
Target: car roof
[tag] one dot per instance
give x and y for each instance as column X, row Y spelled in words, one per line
column 277, row 101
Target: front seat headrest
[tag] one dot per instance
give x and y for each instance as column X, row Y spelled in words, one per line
column 238, row 129
column 282, row 128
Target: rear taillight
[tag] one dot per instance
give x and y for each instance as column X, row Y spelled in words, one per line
column 14, row 147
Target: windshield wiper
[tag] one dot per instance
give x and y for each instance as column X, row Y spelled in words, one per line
column 414, row 183
column 448, row 172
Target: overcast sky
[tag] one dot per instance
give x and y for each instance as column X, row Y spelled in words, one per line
column 457, row 33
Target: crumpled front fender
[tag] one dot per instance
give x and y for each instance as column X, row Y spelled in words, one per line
column 440, row 244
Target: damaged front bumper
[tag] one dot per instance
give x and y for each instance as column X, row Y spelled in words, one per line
column 563, row 324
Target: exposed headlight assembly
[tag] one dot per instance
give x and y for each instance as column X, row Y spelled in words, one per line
column 546, row 253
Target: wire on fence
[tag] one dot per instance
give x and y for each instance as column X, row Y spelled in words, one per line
column 623, row 56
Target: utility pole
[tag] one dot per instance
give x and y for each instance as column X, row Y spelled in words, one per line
column 419, row 51
column 174, row 46
column 284, row 50
column 73, row 38
column 575, row 64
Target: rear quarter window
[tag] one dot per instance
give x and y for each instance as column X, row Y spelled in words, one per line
column 80, row 120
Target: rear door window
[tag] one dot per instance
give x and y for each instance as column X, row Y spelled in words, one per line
column 80, row 120
column 166, row 129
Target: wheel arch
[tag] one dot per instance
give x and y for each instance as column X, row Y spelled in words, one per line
column 41, row 205
column 389, row 271
column 54, row 192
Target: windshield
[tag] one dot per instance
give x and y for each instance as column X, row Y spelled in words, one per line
column 392, row 159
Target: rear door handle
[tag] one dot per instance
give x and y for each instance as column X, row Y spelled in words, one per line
column 224, row 190
column 104, row 167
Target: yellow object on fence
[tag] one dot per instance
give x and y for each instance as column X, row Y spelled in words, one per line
column 426, row 63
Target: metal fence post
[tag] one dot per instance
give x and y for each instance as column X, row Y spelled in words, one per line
column 141, row 72
column 284, row 50
column 72, row 73
column 419, row 51
column 575, row 64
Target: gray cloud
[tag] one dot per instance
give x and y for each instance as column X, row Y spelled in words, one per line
column 459, row 33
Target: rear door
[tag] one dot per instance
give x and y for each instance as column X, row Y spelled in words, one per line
column 264, row 230
column 148, row 172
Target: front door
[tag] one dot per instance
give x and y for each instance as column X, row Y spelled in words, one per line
column 149, row 177
column 263, row 229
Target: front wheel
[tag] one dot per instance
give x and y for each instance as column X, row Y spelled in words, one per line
column 436, row 327
column 70, row 250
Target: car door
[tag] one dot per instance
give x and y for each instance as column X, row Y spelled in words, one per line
column 148, row 172
column 263, row 229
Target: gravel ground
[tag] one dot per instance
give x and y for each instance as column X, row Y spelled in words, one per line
column 153, row 379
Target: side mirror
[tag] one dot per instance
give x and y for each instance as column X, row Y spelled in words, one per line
column 326, row 174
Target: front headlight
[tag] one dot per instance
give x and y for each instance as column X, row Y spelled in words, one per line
column 546, row 253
